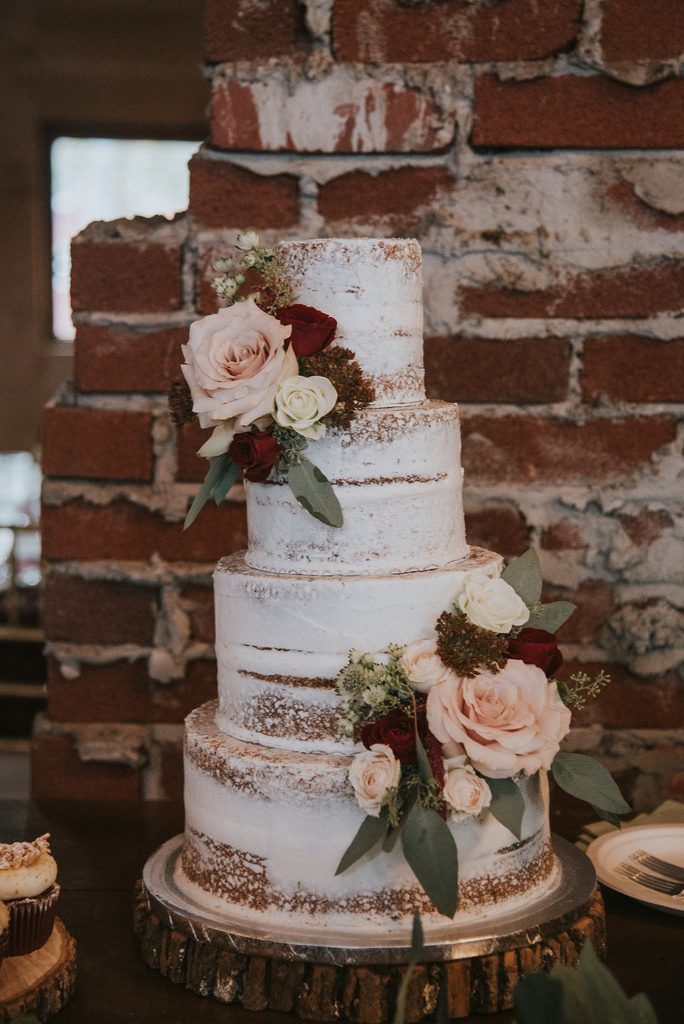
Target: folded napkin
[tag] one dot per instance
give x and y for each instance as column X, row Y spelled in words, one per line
column 669, row 813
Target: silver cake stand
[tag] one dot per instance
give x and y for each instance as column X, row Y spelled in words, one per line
column 531, row 923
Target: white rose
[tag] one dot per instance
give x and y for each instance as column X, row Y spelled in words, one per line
column 301, row 402
column 373, row 773
column 507, row 722
column 423, row 665
column 466, row 793
column 234, row 361
column 491, row 603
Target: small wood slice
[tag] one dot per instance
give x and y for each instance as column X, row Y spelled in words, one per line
column 358, row 994
column 41, row 982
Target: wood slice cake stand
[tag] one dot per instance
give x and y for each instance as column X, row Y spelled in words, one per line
column 39, row 983
column 476, row 966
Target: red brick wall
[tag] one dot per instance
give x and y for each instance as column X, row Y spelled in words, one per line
column 535, row 151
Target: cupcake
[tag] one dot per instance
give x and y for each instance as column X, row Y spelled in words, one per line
column 4, row 929
column 28, row 887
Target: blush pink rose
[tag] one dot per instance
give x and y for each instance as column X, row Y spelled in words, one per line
column 507, row 723
column 234, row 361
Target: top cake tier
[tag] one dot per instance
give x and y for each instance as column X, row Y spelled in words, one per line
column 373, row 287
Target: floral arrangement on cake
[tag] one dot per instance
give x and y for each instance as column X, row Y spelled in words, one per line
column 451, row 723
column 262, row 373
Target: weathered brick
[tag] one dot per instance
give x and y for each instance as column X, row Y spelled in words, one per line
column 497, row 370
column 624, row 198
column 337, row 114
column 526, row 449
column 595, row 601
column 122, row 691
column 198, row 602
column 629, row 701
column 499, row 528
column 646, row 527
column 97, row 443
column 641, row 290
column 394, row 197
column 633, row 369
column 577, row 111
column 114, row 358
column 78, row 529
column 226, row 195
column 57, row 773
column 390, row 31
column 563, row 535
column 125, row 277
column 192, row 468
column 98, row 611
column 641, row 29
column 244, row 30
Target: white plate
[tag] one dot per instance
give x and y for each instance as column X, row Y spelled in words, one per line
column 609, row 851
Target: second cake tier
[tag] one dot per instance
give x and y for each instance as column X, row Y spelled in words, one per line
column 397, row 474
column 281, row 641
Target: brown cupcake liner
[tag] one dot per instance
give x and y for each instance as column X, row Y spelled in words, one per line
column 31, row 921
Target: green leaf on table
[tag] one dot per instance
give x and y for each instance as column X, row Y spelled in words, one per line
column 550, row 616
column 228, row 477
column 417, row 945
column 586, row 779
column 608, row 816
column 587, row 994
column 431, row 854
column 217, row 466
column 371, row 831
column 508, row 805
column 524, row 575
column 314, row 492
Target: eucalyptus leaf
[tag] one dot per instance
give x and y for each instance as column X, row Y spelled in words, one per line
column 228, row 477
column 390, row 840
column 608, row 816
column 550, row 616
column 371, row 831
column 314, row 492
column 592, row 995
column 431, row 854
column 524, row 575
column 217, row 465
column 508, row 805
column 539, row 1000
column 586, row 779
column 421, row 757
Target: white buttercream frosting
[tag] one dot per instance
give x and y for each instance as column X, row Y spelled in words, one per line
column 397, row 474
column 374, row 289
column 281, row 640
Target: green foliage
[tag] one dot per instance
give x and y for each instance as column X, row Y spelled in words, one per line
column 221, row 476
column 314, row 492
column 372, row 688
column 550, row 616
column 507, row 804
column 431, row 854
column 589, row 994
column 586, row 779
column 371, row 832
column 584, row 688
column 524, row 575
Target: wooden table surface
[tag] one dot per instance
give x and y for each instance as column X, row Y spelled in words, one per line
column 101, row 849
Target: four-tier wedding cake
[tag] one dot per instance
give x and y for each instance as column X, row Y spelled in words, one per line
column 272, row 797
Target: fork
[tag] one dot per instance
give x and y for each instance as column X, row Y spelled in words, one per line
column 662, row 885
column 672, row 871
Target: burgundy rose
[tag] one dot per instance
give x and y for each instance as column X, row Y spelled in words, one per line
column 255, row 452
column 396, row 730
column 536, row 647
column 312, row 330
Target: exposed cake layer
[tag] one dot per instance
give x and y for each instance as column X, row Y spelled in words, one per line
column 397, row 474
column 373, row 288
column 265, row 830
column 281, row 640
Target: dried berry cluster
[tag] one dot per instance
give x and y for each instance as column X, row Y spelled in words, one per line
column 468, row 649
column 354, row 391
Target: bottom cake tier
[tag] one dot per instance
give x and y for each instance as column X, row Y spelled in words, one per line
column 266, row 828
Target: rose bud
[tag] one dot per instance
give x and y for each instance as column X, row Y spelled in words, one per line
column 312, row 330
column 536, row 647
column 256, row 452
column 397, row 731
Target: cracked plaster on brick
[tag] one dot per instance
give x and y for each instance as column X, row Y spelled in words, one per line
column 123, row 743
column 647, row 635
column 659, row 184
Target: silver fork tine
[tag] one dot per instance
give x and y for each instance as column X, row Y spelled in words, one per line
column 649, row 881
column 672, row 871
